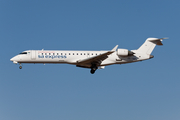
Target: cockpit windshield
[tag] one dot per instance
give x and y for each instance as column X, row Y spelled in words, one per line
column 23, row 53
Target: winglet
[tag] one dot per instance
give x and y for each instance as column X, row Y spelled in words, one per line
column 114, row 49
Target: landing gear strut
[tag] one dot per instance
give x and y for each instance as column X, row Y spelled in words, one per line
column 20, row 67
column 93, row 68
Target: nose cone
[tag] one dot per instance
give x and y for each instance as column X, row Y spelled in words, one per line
column 14, row 59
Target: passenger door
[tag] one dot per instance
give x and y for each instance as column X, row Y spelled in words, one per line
column 33, row 55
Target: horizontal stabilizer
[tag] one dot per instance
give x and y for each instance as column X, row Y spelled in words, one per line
column 157, row 41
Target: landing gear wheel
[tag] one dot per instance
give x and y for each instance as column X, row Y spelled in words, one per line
column 92, row 71
column 20, row 67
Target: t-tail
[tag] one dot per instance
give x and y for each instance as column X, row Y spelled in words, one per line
column 149, row 45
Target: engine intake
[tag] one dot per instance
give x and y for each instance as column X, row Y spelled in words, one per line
column 124, row 52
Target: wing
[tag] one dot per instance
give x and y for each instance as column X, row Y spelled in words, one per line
column 95, row 60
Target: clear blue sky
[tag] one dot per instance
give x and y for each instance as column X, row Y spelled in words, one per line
column 148, row 90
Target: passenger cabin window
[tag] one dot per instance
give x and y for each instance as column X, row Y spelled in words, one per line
column 23, row 53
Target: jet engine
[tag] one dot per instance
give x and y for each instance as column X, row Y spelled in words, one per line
column 124, row 52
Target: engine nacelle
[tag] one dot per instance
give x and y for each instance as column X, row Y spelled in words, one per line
column 124, row 52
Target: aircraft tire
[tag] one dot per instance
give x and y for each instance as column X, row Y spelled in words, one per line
column 20, row 67
column 92, row 71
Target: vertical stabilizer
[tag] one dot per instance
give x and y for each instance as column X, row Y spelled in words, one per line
column 149, row 45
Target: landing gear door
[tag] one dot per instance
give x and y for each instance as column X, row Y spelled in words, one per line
column 33, row 55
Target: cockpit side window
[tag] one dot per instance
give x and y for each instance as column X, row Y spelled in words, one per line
column 23, row 53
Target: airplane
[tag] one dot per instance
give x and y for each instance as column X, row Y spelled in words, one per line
column 89, row 59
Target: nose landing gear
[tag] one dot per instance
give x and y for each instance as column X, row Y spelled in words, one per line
column 20, row 67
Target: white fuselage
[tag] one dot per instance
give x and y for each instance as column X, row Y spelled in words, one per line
column 72, row 57
column 89, row 59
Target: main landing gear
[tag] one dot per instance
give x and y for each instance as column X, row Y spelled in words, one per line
column 93, row 68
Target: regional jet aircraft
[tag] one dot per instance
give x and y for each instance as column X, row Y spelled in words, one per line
column 89, row 59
